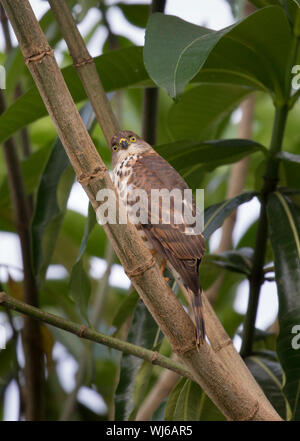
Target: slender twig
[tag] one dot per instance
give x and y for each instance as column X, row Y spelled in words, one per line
column 257, row 273
column 32, row 341
column 86, row 69
column 90, row 334
column 237, row 396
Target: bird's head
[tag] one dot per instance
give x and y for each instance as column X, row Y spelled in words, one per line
column 126, row 143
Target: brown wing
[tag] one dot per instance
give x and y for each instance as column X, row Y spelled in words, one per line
column 184, row 251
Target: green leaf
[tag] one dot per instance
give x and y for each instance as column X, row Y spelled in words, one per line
column 80, row 288
column 52, row 197
column 173, row 398
column 239, row 261
column 190, row 403
column 284, row 221
column 200, row 111
column 190, row 153
column 90, row 224
column 268, row 374
column 253, row 52
column 126, row 309
column 142, row 332
column 118, row 69
column 136, row 13
column 215, row 215
column 80, row 284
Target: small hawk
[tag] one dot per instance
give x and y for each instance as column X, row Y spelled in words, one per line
column 136, row 165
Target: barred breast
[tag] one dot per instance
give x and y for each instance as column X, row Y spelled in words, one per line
column 124, row 182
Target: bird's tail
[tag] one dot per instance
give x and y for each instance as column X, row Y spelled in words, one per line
column 198, row 315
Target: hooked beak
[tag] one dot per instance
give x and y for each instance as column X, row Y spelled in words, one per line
column 124, row 143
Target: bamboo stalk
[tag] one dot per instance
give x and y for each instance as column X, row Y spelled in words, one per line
column 223, row 385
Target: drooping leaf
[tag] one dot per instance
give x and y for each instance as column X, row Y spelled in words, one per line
column 126, row 309
column 215, row 215
column 142, row 332
column 173, row 398
column 268, row 374
column 80, row 288
column 284, row 221
column 80, row 284
column 249, row 52
column 190, row 403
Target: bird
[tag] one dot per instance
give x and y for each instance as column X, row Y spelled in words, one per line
column 137, row 166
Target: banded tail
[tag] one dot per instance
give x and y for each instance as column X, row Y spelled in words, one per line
column 198, row 315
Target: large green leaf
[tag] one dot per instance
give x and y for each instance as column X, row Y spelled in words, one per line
column 202, row 109
column 117, row 69
column 284, row 220
column 187, row 402
column 253, row 51
column 142, row 332
column 215, row 215
column 267, row 372
column 210, row 154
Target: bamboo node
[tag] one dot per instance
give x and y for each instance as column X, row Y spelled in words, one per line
column 84, row 62
column 254, row 412
column 181, row 350
column 39, row 57
column 98, row 172
column 141, row 269
column 154, row 357
column 82, row 330
column 227, row 342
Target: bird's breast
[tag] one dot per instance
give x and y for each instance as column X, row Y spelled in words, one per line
column 125, row 184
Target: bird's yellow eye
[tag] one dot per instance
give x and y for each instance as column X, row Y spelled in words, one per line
column 115, row 148
column 132, row 138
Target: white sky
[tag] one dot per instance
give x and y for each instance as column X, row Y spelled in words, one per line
column 215, row 14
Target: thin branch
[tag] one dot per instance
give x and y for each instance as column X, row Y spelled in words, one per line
column 32, row 340
column 86, row 69
column 257, row 273
column 90, row 334
column 236, row 396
